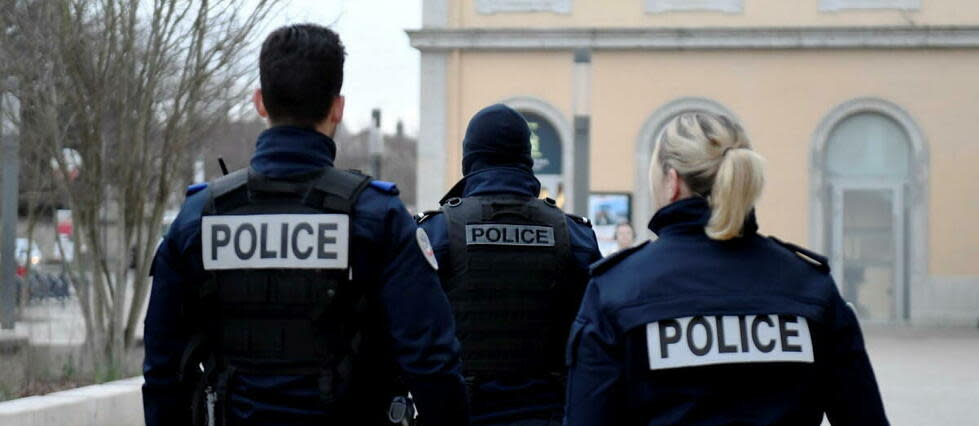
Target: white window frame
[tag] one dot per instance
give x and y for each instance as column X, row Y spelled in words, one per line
column 665, row 6
column 838, row 5
column 490, row 7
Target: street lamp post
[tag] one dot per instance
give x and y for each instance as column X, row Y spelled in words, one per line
column 10, row 154
column 375, row 144
column 582, row 131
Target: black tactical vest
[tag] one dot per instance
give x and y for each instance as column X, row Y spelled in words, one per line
column 280, row 299
column 507, row 264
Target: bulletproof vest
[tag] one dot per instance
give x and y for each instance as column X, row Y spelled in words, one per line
column 280, row 298
column 508, row 257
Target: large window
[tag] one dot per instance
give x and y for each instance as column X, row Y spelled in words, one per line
column 868, row 145
column 867, row 168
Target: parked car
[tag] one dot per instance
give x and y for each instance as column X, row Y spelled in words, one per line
column 20, row 252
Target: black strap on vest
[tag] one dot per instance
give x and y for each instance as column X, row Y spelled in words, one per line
column 506, row 297
column 280, row 321
column 332, row 190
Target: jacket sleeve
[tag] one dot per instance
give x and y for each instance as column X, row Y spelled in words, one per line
column 166, row 400
column 420, row 323
column 854, row 396
column 585, row 244
column 584, row 250
column 595, row 378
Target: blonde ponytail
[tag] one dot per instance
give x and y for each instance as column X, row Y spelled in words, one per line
column 714, row 157
column 736, row 188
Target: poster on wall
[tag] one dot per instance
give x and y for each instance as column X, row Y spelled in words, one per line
column 607, row 211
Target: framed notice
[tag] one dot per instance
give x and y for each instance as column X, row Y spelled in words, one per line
column 608, row 210
column 662, row 6
column 489, row 7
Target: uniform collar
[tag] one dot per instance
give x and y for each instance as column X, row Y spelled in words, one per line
column 496, row 180
column 287, row 150
column 690, row 216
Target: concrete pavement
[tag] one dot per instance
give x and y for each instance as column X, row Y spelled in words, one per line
column 927, row 376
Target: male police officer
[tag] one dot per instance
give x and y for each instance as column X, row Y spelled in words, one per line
column 514, row 267
column 303, row 290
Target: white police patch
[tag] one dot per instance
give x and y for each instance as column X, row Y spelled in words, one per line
column 716, row 339
column 426, row 246
column 292, row 241
column 509, row 235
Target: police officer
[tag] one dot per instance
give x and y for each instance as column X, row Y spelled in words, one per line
column 713, row 323
column 302, row 291
column 514, row 268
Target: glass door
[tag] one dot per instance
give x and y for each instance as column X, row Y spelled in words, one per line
column 868, row 249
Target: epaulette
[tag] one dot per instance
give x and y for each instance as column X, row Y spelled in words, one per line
column 388, row 187
column 818, row 261
column 605, row 264
column 195, row 188
column 425, row 215
column 580, row 219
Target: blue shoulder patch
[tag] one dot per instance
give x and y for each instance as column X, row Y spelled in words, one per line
column 383, row 186
column 195, row 188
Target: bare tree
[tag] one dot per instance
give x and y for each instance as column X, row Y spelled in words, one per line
column 132, row 87
column 399, row 158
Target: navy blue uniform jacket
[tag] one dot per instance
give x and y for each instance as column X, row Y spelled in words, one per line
column 685, row 274
column 414, row 325
column 493, row 400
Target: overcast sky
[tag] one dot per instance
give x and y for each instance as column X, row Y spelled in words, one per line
column 381, row 68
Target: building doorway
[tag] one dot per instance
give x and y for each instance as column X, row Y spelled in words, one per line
column 868, row 192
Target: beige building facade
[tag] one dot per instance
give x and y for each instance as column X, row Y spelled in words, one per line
column 865, row 110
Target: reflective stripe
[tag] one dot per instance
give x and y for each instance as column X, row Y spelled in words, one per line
column 509, row 235
column 280, row 241
column 716, row 339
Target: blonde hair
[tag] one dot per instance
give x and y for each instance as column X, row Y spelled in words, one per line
column 712, row 154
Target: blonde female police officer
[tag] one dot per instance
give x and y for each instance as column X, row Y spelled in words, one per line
column 713, row 323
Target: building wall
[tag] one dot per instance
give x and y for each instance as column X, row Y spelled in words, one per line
column 755, row 13
column 782, row 96
column 479, row 79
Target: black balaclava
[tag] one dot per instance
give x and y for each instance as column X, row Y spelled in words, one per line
column 497, row 136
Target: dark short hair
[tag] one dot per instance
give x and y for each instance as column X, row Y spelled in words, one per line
column 301, row 71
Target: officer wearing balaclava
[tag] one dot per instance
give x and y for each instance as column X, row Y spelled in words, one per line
column 514, row 267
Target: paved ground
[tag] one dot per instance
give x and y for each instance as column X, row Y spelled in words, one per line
column 55, row 322
column 928, row 376
column 51, row 322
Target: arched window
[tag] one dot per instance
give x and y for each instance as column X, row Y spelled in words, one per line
column 869, row 145
column 868, row 182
